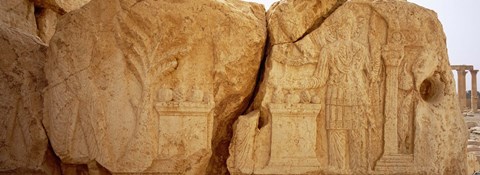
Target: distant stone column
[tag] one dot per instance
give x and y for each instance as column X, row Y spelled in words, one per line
column 474, row 96
column 462, row 94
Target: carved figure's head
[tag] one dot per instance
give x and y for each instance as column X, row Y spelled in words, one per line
column 346, row 26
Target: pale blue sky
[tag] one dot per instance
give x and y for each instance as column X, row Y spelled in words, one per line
column 461, row 23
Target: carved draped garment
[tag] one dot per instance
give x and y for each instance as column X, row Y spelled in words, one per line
column 343, row 68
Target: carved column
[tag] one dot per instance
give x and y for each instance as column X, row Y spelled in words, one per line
column 474, row 97
column 462, row 94
column 391, row 159
column 392, row 59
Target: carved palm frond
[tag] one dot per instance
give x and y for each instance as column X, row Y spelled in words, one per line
column 140, row 43
column 133, row 41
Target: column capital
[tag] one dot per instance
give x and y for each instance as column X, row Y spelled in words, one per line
column 461, row 72
column 473, row 72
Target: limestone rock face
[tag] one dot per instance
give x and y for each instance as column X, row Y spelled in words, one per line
column 32, row 17
column 46, row 22
column 150, row 86
column 69, row 5
column 18, row 14
column 61, row 6
column 289, row 20
column 179, row 87
column 370, row 91
column 23, row 142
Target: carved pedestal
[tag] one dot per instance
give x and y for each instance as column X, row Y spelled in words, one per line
column 183, row 132
column 396, row 163
column 294, row 135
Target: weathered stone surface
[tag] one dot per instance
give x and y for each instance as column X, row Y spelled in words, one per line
column 18, row 14
column 61, row 6
column 154, row 87
column 151, row 86
column 370, row 91
column 23, row 142
column 30, row 17
column 289, row 20
column 47, row 22
column 92, row 168
column 69, row 5
column 473, row 163
column 473, row 145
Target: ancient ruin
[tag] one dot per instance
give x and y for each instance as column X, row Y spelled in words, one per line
column 461, row 80
column 472, row 118
column 227, row 87
column 360, row 94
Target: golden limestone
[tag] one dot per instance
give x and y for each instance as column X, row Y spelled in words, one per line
column 213, row 87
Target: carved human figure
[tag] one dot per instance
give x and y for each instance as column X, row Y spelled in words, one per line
column 343, row 70
column 406, row 97
column 344, row 64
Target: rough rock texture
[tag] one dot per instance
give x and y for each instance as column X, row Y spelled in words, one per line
column 154, row 87
column 290, row 20
column 61, row 6
column 151, row 86
column 46, row 23
column 18, row 14
column 35, row 17
column 24, row 147
column 472, row 163
column 473, row 147
column 370, row 91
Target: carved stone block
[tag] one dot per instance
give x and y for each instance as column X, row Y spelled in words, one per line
column 148, row 86
column 174, row 87
column 384, row 99
column 184, row 131
column 294, row 133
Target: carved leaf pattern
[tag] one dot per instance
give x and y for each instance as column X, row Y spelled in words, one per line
column 140, row 40
column 141, row 45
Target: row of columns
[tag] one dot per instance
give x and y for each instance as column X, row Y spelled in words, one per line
column 462, row 92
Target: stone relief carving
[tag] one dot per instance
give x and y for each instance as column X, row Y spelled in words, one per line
column 351, row 97
column 145, row 86
column 155, row 87
column 24, row 145
column 184, row 118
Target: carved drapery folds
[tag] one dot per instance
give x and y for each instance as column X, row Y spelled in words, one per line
column 367, row 92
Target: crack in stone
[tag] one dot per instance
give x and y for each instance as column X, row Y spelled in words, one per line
column 318, row 22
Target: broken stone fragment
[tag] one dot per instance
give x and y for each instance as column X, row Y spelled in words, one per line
column 24, row 146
